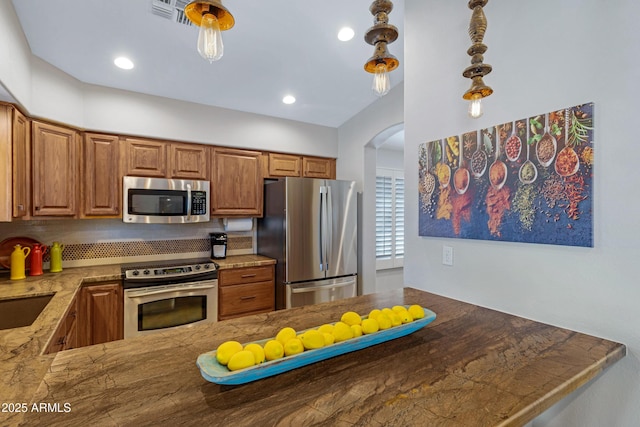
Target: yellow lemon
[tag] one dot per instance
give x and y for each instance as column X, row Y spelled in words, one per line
column 273, row 350
column 257, row 350
column 370, row 326
column 406, row 317
column 226, row 350
column 357, row 330
column 328, row 338
column 387, row 311
column 240, row 360
column 416, row 311
column 312, row 339
column 351, row 318
column 285, row 334
column 396, row 319
column 342, row 332
column 374, row 313
column 293, row 346
column 384, row 321
column 326, row 328
column 399, row 308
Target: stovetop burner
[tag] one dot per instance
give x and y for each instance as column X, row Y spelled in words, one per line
column 173, row 271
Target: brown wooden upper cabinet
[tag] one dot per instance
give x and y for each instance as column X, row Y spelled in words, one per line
column 284, row 165
column 162, row 159
column 278, row 165
column 236, row 182
column 189, row 161
column 101, row 185
column 15, row 162
column 55, row 170
column 318, row 167
column 145, row 157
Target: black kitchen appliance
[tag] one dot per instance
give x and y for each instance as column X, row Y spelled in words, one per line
column 218, row 245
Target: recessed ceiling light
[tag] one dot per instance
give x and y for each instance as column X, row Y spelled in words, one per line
column 124, row 63
column 345, row 34
column 289, row 99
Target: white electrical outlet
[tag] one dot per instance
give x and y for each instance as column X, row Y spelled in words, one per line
column 447, row 255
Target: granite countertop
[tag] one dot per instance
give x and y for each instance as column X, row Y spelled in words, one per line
column 22, row 362
column 471, row 366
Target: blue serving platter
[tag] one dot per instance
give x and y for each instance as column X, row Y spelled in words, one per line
column 214, row 372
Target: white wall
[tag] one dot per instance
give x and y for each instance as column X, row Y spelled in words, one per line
column 46, row 92
column 15, row 56
column 545, row 55
column 392, row 159
column 357, row 162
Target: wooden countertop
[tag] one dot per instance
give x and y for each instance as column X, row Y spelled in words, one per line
column 22, row 364
column 471, row 366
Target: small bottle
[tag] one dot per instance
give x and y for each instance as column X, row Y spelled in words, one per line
column 55, row 252
column 18, row 257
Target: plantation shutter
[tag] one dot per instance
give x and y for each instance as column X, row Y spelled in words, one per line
column 389, row 218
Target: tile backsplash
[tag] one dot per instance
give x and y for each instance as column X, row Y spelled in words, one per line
column 110, row 241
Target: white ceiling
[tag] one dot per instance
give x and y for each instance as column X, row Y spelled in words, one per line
column 276, row 48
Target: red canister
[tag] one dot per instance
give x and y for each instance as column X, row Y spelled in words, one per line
column 37, row 252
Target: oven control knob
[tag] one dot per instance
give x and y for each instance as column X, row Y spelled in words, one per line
column 207, row 266
column 197, row 266
column 135, row 272
column 146, row 272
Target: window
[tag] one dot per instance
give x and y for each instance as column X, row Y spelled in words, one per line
column 389, row 218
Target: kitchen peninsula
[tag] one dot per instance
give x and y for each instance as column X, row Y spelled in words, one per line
column 471, row 366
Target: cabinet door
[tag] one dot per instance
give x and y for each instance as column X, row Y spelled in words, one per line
column 143, row 157
column 21, row 164
column 100, row 175
column 189, row 161
column 236, row 184
column 284, row 165
column 318, row 167
column 101, row 314
column 55, row 166
column 5, row 163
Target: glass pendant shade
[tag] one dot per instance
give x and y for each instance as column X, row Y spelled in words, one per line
column 210, row 45
column 381, row 83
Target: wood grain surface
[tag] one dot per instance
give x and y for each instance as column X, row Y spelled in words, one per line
column 471, row 366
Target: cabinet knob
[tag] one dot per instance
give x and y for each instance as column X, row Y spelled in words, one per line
column 37, row 208
column 20, row 207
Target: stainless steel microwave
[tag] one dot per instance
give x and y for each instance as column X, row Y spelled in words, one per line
column 164, row 201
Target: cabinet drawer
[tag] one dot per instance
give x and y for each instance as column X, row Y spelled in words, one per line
column 246, row 299
column 246, row 275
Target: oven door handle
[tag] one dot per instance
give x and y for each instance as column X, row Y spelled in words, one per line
column 137, row 294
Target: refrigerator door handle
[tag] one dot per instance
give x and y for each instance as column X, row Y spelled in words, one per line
column 321, row 231
column 329, row 229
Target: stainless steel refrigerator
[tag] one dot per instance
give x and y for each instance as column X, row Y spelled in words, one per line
column 310, row 227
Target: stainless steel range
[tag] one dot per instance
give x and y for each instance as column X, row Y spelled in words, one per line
column 163, row 295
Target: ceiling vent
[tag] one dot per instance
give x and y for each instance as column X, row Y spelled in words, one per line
column 171, row 9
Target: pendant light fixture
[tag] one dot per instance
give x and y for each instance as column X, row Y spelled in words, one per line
column 379, row 35
column 477, row 69
column 212, row 18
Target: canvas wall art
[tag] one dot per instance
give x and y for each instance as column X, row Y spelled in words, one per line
column 528, row 180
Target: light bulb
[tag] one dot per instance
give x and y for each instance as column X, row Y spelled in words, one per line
column 210, row 38
column 475, row 106
column 381, row 83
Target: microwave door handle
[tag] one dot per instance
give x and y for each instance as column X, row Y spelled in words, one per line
column 137, row 294
column 188, row 202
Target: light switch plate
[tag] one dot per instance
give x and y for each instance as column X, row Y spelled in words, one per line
column 447, row 255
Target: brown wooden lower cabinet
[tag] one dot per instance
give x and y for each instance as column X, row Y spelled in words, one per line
column 100, row 313
column 66, row 336
column 245, row 291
